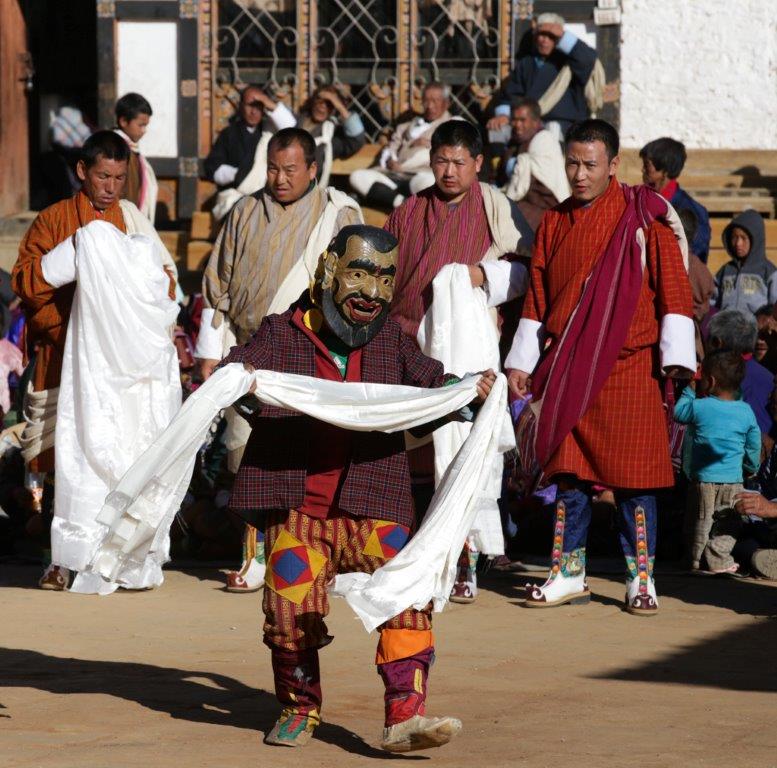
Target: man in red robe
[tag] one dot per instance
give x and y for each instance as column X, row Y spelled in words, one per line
column 607, row 314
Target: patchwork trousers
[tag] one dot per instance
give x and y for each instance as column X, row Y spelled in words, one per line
column 303, row 555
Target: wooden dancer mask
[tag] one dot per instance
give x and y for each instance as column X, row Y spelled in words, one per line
column 354, row 282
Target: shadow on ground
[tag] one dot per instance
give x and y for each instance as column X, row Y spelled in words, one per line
column 193, row 695
column 740, row 659
column 743, row 596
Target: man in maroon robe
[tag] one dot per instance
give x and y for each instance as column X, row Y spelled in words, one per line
column 456, row 221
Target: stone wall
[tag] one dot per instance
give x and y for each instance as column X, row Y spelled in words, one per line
column 701, row 71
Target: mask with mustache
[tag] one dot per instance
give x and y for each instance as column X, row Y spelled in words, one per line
column 354, row 283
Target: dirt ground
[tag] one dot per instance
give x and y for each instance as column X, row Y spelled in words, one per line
column 178, row 677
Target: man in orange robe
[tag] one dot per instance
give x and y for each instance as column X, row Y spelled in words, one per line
column 103, row 172
column 608, row 313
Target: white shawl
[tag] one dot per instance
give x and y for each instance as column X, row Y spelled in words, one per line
column 543, row 160
column 141, row 508
column 255, row 179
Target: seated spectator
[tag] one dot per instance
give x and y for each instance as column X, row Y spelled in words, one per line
column 531, row 171
column 766, row 346
column 736, row 331
column 724, row 437
column 238, row 161
column 749, row 280
column 133, row 114
column 403, row 166
column 562, row 73
column 337, row 136
column 756, row 532
column 662, row 163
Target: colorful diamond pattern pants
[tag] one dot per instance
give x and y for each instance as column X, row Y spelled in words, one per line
column 303, row 554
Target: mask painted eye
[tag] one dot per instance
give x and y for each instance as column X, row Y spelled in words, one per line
column 357, row 275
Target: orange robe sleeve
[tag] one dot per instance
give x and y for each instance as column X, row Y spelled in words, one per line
column 47, row 308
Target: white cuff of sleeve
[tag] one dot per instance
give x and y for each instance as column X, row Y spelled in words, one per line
column 59, row 264
column 210, row 342
column 567, row 42
column 505, row 280
column 677, row 344
column 283, row 117
column 527, row 346
column 225, row 175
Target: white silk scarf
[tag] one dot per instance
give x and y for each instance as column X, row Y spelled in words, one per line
column 138, row 513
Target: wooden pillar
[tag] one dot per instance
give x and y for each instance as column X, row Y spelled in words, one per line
column 307, row 50
column 15, row 64
column 506, row 47
column 407, row 27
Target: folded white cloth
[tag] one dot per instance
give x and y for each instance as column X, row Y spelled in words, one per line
column 460, row 332
column 425, row 570
column 141, row 508
column 120, row 387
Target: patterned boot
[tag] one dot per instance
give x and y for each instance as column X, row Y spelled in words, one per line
column 465, row 588
column 566, row 582
column 638, row 536
column 298, row 687
column 250, row 577
column 407, row 728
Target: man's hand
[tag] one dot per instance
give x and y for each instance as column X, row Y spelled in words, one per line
column 484, row 385
column 497, row 122
column 518, row 382
column 207, row 367
column 754, row 504
column 393, row 165
column 679, row 373
column 250, row 368
column 334, row 99
column 269, row 104
column 556, row 31
column 477, row 275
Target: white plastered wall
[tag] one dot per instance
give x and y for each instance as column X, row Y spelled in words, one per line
column 701, row 71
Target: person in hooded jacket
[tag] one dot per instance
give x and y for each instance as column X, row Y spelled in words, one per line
column 749, row 280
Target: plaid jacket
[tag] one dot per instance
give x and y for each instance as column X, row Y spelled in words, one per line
column 272, row 475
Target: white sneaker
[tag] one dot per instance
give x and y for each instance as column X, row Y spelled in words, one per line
column 55, row 578
column 558, row 590
column 639, row 601
column 250, row 578
column 420, row 733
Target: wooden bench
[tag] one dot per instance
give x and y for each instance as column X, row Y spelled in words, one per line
column 733, row 201
column 364, row 158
